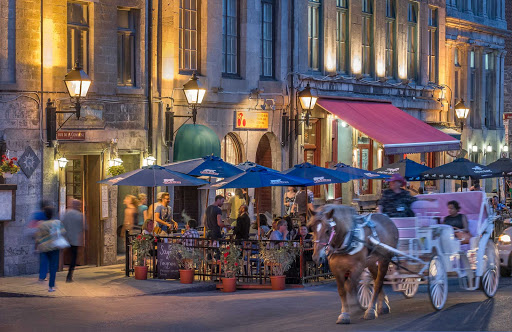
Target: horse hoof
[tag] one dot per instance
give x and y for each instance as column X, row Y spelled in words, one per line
column 344, row 318
column 384, row 309
column 370, row 314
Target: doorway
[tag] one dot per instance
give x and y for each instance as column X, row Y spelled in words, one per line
column 81, row 176
column 263, row 197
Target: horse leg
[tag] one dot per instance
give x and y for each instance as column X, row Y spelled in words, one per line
column 383, row 304
column 371, row 313
column 344, row 317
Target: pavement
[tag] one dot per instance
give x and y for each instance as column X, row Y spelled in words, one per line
column 106, row 281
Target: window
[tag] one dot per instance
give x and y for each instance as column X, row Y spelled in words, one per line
column 189, row 35
column 492, row 9
column 367, row 37
column 472, row 91
column 342, row 36
column 314, row 35
column 461, row 5
column 230, row 37
column 267, row 39
column 126, row 41
column 412, row 40
column 456, row 57
column 475, row 7
column 457, row 75
column 78, row 35
column 456, row 85
column 7, row 41
column 432, row 45
column 490, row 114
column 390, row 37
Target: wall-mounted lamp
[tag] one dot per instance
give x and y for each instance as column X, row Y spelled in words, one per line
column 344, row 124
column 505, row 148
column 62, row 162
column 115, row 162
column 149, row 161
column 194, row 93
column 474, row 149
column 488, row 149
column 461, row 111
column 307, row 98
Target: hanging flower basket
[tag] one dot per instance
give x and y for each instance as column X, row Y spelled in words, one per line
column 8, row 168
column 116, row 170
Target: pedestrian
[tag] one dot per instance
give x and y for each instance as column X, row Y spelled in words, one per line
column 243, row 224
column 50, row 240
column 36, row 218
column 289, row 200
column 396, row 201
column 130, row 213
column 142, row 209
column 73, row 222
column 190, row 234
column 163, row 215
column 214, row 221
column 303, row 202
column 237, row 200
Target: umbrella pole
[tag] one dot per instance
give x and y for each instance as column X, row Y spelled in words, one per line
column 258, row 216
column 206, row 207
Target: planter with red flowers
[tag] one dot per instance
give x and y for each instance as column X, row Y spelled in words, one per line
column 188, row 258
column 280, row 257
column 142, row 246
column 8, row 168
column 231, row 263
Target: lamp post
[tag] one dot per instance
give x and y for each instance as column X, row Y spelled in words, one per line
column 194, row 93
column 78, row 83
column 63, row 161
column 307, row 98
column 461, row 111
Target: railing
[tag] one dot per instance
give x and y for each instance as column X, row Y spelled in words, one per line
column 254, row 269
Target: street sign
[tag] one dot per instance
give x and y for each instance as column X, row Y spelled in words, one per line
column 71, row 135
column 251, row 120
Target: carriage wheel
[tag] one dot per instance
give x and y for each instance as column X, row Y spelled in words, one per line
column 437, row 283
column 365, row 290
column 491, row 277
column 411, row 287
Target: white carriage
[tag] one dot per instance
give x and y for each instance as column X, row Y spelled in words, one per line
column 428, row 252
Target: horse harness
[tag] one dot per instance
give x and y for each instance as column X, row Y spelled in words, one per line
column 354, row 240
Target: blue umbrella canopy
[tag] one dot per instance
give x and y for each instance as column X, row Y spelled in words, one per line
column 408, row 169
column 154, row 176
column 461, row 169
column 258, row 177
column 358, row 173
column 316, row 174
column 248, row 164
column 211, row 166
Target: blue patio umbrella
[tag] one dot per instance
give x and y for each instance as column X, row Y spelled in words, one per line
column 248, row 164
column 211, row 166
column 154, row 176
column 258, row 177
column 358, row 173
column 410, row 170
column 316, row 174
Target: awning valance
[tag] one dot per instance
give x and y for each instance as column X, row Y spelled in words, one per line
column 396, row 130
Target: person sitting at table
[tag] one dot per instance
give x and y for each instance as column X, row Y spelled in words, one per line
column 458, row 221
column 303, row 234
column 190, row 234
column 281, row 232
column 497, row 206
column 243, row 223
column 291, row 230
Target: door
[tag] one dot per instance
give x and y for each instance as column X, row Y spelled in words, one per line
column 94, row 231
column 312, row 147
column 263, row 197
column 365, row 161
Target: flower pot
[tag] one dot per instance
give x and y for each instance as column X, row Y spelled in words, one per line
column 186, row 276
column 7, row 175
column 141, row 272
column 228, row 285
column 277, row 282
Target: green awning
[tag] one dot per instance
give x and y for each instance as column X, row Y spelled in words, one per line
column 195, row 141
column 447, row 130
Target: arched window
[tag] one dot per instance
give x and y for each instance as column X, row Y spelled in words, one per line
column 231, row 149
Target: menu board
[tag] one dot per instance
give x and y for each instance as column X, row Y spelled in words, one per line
column 167, row 267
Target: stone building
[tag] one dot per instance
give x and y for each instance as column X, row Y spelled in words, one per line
column 507, row 86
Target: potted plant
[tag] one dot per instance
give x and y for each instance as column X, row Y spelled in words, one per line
column 142, row 247
column 8, row 168
column 115, row 170
column 231, row 262
column 279, row 258
column 187, row 259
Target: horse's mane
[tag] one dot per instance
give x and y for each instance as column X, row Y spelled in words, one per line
column 342, row 215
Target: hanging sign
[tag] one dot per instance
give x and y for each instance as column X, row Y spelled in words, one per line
column 251, row 120
column 71, row 135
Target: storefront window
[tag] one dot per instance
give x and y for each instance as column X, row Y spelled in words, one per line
column 364, row 160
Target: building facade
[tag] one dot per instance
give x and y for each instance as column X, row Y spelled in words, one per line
column 253, row 58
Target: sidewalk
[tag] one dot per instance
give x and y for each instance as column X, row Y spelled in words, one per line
column 105, row 281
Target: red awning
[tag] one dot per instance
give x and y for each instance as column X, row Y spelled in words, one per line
column 398, row 131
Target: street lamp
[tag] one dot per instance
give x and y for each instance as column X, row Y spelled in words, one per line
column 194, row 93
column 149, row 161
column 461, row 111
column 307, row 98
column 78, row 83
column 62, row 162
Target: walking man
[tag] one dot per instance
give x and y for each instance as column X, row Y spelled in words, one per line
column 73, row 222
column 214, row 218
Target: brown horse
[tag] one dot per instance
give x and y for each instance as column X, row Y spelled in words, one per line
column 332, row 227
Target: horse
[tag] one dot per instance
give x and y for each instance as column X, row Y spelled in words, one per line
column 342, row 237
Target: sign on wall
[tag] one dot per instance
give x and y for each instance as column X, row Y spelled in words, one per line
column 28, row 161
column 104, row 201
column 71, row 135
column 251, row 120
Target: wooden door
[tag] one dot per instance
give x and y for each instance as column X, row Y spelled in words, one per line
column 263, row 196
column 94, row 231
column 312, row 147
